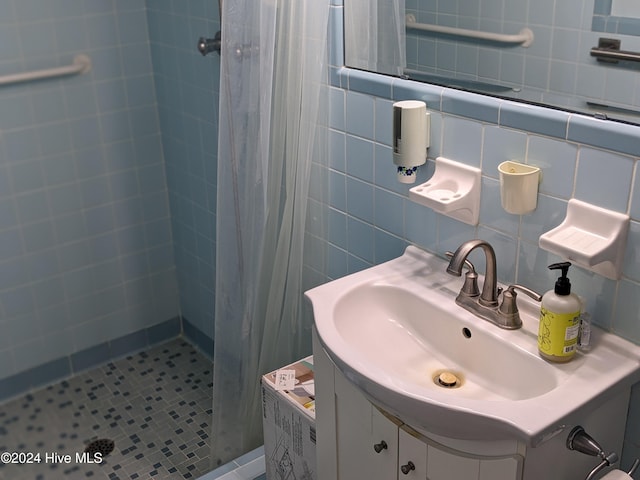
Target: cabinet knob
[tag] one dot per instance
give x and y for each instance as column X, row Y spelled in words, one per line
column 378, row 447
column 407, row 468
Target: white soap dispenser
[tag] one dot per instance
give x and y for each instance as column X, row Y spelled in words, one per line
column 411, row 123
column 559, row 319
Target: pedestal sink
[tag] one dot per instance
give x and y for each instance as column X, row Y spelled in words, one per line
column 394, row 329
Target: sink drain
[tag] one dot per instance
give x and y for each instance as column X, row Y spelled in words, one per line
column 447, row 379
column 103, row 446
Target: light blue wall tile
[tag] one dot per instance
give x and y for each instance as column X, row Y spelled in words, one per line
column 337, row 147
column 369, row 83
column 70, row 172
column 20, row 116
column 457, row 103
column 500, row 145
column 626, row 321
column 536, row 70
column 38, row 236
column 11, row 245
column 549, row 213
column 420, row 225
column 512, row 69
column 70, row 35
column 337, row 233
column 562, row 77
column 618, row 137
column 462, row 140
column 388, row 211
column 534, row 119
column 383, row 121
column 359, row 114
column 387, row 246
column 557, row 161
column 20, row 145
column 359, row 199
column 491, row 212
column 26, row 176
column 337, row 108
column 604, row 179
column 506, row 248
column 359, row 158
column 360, row 238
column 565, row 45
column 9, row 42
column 408, row 90
column 385, row 171
column 337, row 265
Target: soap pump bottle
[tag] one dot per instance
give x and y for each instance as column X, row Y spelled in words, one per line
column 559, row 319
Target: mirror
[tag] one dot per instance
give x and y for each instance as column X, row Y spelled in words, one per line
column 575, row 55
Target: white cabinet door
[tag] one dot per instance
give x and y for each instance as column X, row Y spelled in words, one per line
column 447, row 466
column 412, row 456
column 501, row 469
column 367, row 442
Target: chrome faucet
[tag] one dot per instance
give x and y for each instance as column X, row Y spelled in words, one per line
column 489, row 295
column 485, row 305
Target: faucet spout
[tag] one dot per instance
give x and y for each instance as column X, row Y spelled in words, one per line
column 489, row 295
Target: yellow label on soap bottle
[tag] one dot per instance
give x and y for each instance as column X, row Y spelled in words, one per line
column 558, row 333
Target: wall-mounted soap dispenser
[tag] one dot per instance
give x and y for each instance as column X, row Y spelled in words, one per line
column 411, row 124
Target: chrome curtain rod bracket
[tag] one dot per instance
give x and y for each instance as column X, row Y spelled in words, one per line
column 208, row 45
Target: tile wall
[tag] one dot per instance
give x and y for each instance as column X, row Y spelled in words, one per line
column 371, row 218
column 187, row 95
column 554, row 69
column 85, row 233
column 605, row 20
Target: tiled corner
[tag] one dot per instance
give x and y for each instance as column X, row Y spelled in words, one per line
column 85, row 209
column 155, row 406
column 47, row 372
column 186, row 90
column 250, row 466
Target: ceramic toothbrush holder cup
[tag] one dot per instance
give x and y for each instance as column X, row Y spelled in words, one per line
column 518, row 187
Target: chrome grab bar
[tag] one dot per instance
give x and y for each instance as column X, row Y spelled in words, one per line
column 608, row 50
column 524, row 37
column 608, row 54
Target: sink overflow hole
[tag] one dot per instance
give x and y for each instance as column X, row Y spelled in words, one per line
column 466, row 332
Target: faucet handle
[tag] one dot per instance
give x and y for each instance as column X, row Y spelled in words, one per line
column 509, row 307
column 470, row 286
column 535, row 295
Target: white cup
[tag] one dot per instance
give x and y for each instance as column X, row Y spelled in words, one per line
column 518, row 187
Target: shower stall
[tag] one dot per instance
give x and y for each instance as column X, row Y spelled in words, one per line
column 107, row 236
column 110, row 221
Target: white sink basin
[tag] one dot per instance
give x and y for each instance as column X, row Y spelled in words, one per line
column 394, row 328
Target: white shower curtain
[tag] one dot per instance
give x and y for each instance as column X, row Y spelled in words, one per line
column 271, row 138
column 375, row 37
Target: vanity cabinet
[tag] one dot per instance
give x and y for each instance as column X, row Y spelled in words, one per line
column 356, row 440
column 369, row 443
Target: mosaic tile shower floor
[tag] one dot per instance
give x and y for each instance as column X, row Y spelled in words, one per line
column 155, row 406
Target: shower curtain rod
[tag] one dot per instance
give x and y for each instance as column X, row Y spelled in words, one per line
column 81, row 64
column 524, row 37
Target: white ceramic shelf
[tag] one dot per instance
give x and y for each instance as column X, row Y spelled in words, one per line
column 592, row 237
column 453, row 190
